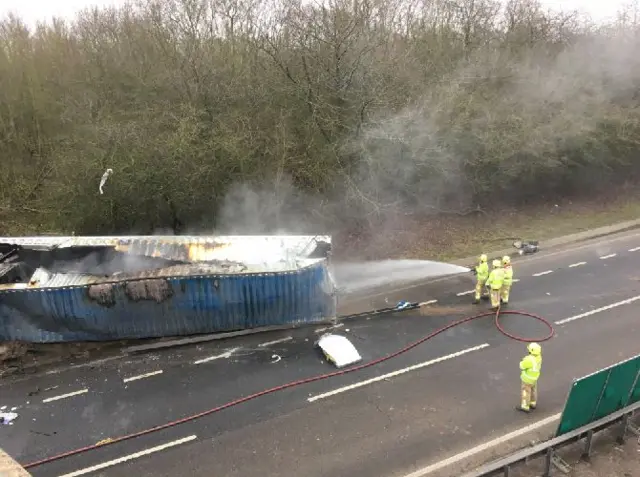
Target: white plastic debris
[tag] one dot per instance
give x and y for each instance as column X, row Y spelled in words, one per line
column 402, row 305
column 103, row 181
column 7, row 417
column 339, row 350
column 275, row 358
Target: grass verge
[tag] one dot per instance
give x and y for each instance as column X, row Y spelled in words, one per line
column 449, row 238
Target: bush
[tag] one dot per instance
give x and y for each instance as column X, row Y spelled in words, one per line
column 321, row 114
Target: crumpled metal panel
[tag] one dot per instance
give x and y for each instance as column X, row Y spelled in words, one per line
column 239, row 248
column 43, row 278
column 7, row 267
column 156, row 307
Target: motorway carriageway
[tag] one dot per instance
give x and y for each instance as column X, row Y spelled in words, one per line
column 406, row 415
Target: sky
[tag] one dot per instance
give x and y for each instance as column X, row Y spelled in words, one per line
column 34, row 10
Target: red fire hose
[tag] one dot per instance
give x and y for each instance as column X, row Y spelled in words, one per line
column 310, row 380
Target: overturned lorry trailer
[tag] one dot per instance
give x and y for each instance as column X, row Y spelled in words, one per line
column 62, row 289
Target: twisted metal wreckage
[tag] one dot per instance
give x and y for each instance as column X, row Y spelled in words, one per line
column 57, row 289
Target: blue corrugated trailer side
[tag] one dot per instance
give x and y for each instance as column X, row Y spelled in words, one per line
column 173, row 306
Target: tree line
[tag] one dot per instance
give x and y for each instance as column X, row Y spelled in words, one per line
column 264, row 115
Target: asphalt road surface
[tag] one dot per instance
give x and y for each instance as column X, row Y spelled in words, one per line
column 363, row 424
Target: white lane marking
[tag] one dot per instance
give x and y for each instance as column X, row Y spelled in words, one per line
column 396, row 373
column 483, row 447
column 320, row 330
column 608, row 256
column 142, row 376
column 573, row 265
column 468, row 292
column 63, row 396
column 598, row 310
column 430, row 302
column 542, row 273
column 226, row 354
column 515, row 280
column 634, row 249
column 129, row 457
column 288, row 338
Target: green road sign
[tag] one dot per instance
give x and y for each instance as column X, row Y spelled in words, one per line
column 600, row 394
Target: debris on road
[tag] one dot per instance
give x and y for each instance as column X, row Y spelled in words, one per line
column 7, row 418
column 275, row 358
column 23, row 357
column 403, row 304
column 526, row 247
column 339, row 350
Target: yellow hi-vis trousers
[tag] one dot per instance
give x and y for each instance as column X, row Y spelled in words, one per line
column 495, row 297
column 529, row 394
column 504, row 293
column 480, row 289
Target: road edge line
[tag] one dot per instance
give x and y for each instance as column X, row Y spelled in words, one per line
column 483, row 447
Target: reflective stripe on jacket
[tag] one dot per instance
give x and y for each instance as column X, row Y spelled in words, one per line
column 482, row 271
column 530, row 367
column 508, row 276
column 495, row 279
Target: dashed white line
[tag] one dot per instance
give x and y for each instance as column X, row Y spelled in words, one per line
column 395, row 373
column 142, row 376
column 64, row 396
column 578, row 264
column 430, row 302
column 226, row 354
column 634, row 249
column 483, row 447
column 608, row 256
column 268, row 343
column 598, row 310
column 468, row 292
column 129, row 457
column 542, row 273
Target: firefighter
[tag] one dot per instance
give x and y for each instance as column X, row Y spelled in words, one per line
column 530, row 367
column 482, row 273
column 508, row 280
column 494, row 282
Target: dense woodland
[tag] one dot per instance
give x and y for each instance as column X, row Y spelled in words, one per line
column 262, row 115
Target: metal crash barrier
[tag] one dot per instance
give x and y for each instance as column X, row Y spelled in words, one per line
column 595, row 403
column 548, row 449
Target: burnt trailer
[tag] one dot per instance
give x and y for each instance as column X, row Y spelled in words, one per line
column 63, row 289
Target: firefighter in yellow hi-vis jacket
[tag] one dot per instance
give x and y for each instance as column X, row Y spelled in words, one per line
column 482, row 273
column 507, row 281
column 530, row 367
column 494, row 282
